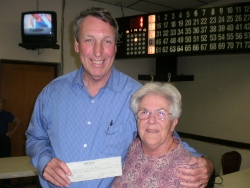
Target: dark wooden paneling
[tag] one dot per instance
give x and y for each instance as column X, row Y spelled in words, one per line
column 21, row 82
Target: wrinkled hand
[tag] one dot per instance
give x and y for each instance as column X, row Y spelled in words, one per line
column 197, row 177
column 56, row 173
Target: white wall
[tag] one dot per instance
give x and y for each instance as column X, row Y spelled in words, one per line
column 10, row 32
column 215, row 104
column 219, row 97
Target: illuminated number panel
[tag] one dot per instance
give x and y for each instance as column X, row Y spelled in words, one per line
column 224, row 29
column 132, row 39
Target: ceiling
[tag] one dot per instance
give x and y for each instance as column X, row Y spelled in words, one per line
column 150, row 6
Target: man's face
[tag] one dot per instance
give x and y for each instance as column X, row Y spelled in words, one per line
column 96, row 48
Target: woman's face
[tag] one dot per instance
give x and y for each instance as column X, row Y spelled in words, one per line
column 155, row 132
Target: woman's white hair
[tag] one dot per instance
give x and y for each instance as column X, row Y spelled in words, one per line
column 166, row 90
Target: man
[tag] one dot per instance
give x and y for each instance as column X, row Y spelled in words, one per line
column 85, row 115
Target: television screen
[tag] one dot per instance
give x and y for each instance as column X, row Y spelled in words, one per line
column 37, row 24
column 39, row 27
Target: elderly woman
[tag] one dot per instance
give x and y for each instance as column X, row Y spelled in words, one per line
column 154, row 158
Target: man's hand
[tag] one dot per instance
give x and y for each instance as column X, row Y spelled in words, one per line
column 56, row 173
column 197, row 177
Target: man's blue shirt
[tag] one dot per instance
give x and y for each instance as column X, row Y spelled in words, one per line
column 69, row 124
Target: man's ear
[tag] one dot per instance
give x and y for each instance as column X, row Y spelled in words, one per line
column 76, row 46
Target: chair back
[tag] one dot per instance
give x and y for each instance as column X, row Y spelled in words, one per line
column 230, row 162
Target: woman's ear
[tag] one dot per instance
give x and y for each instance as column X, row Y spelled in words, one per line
column 174, row 123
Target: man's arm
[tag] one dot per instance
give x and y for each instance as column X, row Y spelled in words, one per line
column 39, row 149
column 197, row 177
column 38, row 146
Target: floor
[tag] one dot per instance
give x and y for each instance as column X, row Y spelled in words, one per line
column 25, row 186
column 31, row 186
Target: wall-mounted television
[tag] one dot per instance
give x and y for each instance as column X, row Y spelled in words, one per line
column 39, row 29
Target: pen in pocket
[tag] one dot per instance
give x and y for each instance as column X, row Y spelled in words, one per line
column 110, row 124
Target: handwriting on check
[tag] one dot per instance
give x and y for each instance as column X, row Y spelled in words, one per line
column 95, row 169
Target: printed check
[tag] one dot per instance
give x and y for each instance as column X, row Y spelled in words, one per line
column 95, row 169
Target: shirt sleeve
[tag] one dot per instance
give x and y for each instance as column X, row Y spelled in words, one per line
column 38, row 147
column 187, row 147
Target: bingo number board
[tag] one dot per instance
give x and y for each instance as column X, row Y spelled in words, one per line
column 222, row 29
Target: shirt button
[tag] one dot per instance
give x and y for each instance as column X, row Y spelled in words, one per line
column 85, row 145
column 89, row 122
column 92, row 101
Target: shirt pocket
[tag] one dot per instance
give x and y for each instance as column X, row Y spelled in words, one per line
column 117, row 139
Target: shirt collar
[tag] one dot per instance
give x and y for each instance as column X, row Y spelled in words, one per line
column 112, row 83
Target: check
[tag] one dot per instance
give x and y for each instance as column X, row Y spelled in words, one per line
column 95, row 169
